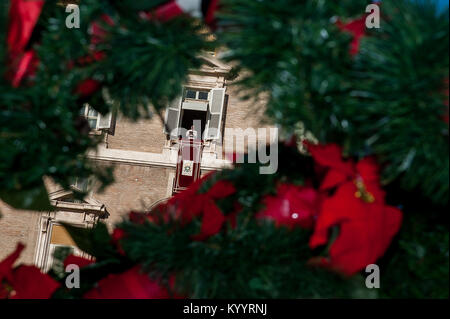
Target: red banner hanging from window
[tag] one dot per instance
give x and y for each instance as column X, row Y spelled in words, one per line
column 188, row 163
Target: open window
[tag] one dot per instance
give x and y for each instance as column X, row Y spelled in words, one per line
column 216, row 105
column 54, row 242
column 61, row 245
column 81, row 184
column 199, row 110
column 95, row 119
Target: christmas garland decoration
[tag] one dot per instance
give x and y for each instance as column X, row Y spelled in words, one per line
column 213, row 222
column 374, row 100
column 50, row 64
column 386, row 98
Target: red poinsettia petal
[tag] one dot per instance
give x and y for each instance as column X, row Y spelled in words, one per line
column 336, row 209
column 186, row 195
column 25, row 66
column 292, row 206
column 330, row 155
column 232, row 217
column 362, row 242
column 98, row 31
column 368, row 169
column 193, row 208
column 117, row 235
column 210, row 18
column 221, row 189
column 212, row 221
column 365, row 230
column 30, row 283
column 326, row 155
column 7, row 263
column 88, row 87
column 357, row 28
column 351, row 250
column 76, row 260
column 23, row 16
column 387, row 224
column 332, row 179
column 292, row 141
column 137, row 218
column 132, row 284
column 306, row 204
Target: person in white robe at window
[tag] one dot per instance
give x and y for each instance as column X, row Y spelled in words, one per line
column 191, row 134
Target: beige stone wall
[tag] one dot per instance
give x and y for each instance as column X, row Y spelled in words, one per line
column 243, row 114
column 18, row 226
column 142, row 136
column 135, row 188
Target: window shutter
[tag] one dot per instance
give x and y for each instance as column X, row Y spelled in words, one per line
column 172, row 117
column 104, row 121
column 216, row 103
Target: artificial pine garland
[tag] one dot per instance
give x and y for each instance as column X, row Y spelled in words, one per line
column 307, row 231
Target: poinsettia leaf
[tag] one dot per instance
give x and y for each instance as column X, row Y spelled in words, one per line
column 94, row 241
column 91, row 274
column 35, row 198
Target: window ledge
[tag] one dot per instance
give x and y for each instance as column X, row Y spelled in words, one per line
column 95, row 132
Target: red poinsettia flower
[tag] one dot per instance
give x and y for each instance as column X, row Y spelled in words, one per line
column 357, row 28
column 76, row 260
column 30, row 283
column 365, row 230
column 366, row 224
column 88, row 87
column 210, row 17
column 364, row 174
column 132, row 284
column 292, row 206
column 98, row 31
column 191, row 203
column 24, row 282
column 163, row 212
column 23, row 16
column 117, row 235
column 172, row 9
column 6, row 266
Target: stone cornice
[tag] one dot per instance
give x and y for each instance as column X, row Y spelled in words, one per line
column 149, row 159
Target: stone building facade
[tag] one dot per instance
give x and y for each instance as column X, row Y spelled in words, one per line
column 144, row 154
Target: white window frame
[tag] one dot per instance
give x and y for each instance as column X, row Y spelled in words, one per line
column 197, row 94
column 81, row 181
column 101, row 122
column 179, row 103
column 221, row 114
column 85, row 113
column 51, row 251
column 44, row 248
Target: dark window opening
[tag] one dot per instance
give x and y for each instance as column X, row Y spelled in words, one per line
column 196, row 95
column 194, row 118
